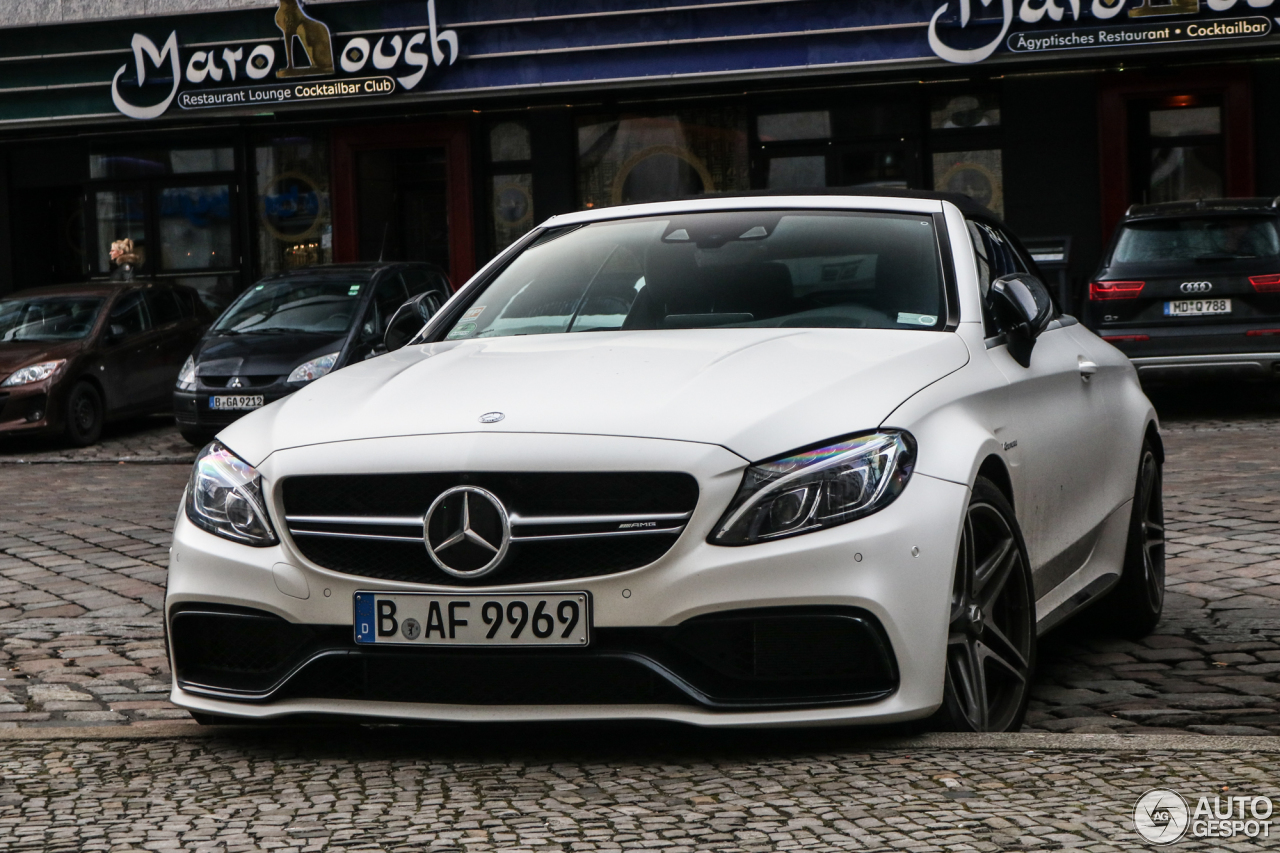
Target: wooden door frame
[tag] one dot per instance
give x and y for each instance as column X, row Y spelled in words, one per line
column 453, row 137
column 1117, row 90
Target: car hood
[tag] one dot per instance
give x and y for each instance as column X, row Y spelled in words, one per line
column 15, row 355
column 757, row 392
column 260, row 355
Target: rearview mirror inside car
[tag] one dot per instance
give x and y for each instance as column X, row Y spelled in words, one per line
column 1022, row 309
column 410, row 318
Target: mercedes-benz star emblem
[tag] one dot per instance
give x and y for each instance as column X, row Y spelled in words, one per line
column 491, row 417
column 467, row 531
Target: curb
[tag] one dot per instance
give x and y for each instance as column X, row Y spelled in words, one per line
column 1016, row 741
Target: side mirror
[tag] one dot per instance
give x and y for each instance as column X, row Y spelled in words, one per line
column 1022, row 308
column 410, row 317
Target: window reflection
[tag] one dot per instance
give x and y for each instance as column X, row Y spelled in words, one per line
column 195, row 228
column 120, row 214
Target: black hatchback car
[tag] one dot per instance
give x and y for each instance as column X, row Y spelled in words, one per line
column 290, row 329
column 1191, row 289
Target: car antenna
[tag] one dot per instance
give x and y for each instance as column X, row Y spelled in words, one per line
column 382, row 250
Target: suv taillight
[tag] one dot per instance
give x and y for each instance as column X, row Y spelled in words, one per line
column 1102, row 290
column 1265, row 283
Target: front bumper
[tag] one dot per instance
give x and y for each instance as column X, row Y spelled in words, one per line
column 641, row 665
column 29, row 409
column 191, row 408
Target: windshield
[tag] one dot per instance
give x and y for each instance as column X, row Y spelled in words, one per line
column 1206, row 238
column 50, row 318
column 740, row 269
column 317, row 305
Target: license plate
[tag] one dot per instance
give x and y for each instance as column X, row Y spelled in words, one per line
column 1196, row 307
column 428, row 619
column 242, row 402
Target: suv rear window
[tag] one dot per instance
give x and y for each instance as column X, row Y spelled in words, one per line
column 1204, row 238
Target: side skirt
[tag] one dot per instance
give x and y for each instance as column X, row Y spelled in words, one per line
column 1098, row 573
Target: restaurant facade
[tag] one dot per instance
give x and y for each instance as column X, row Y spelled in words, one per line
column 234, row 144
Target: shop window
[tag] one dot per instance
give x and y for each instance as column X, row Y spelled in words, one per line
column 402, row 204
column 509, row 141
column 784, row 127
column 177, row 161
column 631, row 159
column 511, row 186
column 1179, row 149
column 120, row 214
column 788, row 173
column 964, row 112
column 294, row 226
column 977, row 174
column 966, row 140
column 195, row 228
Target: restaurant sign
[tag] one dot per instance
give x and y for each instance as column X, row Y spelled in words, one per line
column 957, row 34
column 298, row 68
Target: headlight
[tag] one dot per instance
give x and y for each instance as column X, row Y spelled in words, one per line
column 225, row 498
column 817, row 488
column 187, row 375
column 33, row 373
column 313, row 369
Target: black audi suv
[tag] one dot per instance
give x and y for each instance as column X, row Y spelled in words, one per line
column 1190, row 289
column 290, row 329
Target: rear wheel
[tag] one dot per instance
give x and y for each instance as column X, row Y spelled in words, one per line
column 1134, row 606
column 991, row 636
column 84, row 415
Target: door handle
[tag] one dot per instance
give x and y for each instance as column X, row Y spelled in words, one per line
column 1087, row 368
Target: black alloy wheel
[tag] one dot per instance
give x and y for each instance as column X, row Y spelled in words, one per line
column 991, row 636
column 1134, row 606
column 84, row 415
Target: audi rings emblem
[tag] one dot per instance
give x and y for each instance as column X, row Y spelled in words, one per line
column 467, row 531
column 1196, row 286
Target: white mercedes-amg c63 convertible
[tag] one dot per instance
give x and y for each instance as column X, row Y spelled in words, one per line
column 736, row 461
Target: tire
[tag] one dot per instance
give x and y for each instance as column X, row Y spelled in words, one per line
column 991, row 631
column 84, row 415
column 196, row 437
column 1132, row 609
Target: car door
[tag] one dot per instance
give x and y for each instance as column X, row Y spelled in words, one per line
column 1055, row 424
column 130, row 348
column 177, row 331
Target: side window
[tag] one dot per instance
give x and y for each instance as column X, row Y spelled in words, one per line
column 129, row 316
column 420, row 281
column 164, row 307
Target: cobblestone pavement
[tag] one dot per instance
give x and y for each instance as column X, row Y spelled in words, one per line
column 586, row 789
column 149, row 439
column 83, row 551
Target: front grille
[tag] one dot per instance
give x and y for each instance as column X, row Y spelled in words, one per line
column 250, row 381
column 782, row 657
column 563, row 525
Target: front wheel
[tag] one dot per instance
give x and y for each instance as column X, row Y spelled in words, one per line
column 84, row 415
column 991, row 635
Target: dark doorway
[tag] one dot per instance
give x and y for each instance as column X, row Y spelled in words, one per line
column 1176, row 148
column 402, row 204
column 403, row 193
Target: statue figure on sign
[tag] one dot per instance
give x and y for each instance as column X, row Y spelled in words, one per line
column 314, row 35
